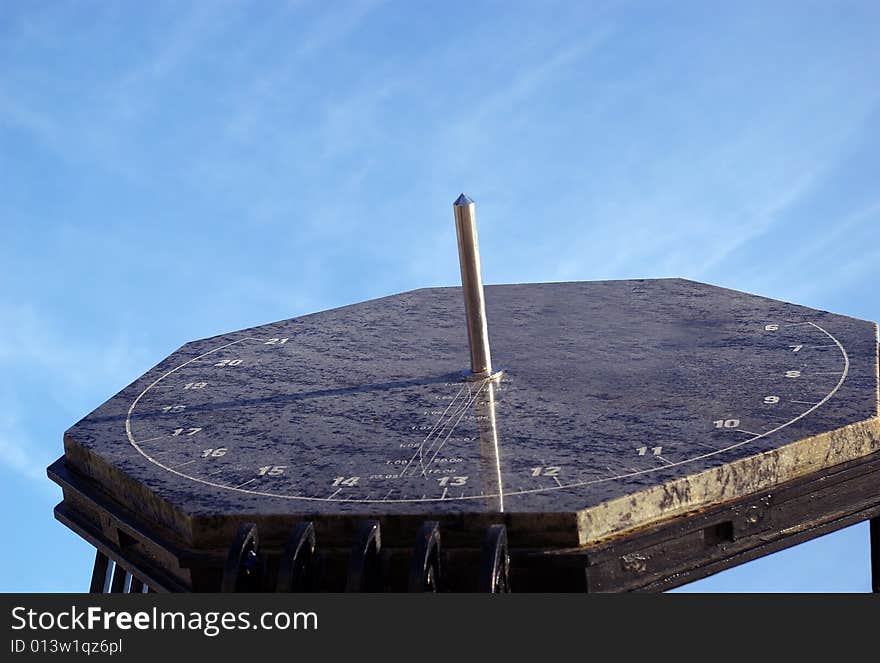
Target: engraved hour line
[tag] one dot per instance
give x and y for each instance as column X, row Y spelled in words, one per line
column 460, row 410
column 418, row 451
column 449, row 425
column 452, row 428
column 521, row 491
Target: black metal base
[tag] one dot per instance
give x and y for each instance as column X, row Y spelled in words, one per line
column 655, row 558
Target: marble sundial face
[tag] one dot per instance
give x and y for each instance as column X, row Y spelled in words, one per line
column 620, row 402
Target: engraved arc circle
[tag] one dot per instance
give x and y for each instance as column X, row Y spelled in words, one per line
column 578, row 484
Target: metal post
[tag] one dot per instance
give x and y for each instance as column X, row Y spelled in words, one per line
column 100, row 580
column 472, row 286
column 117, row 584
column 875, row 554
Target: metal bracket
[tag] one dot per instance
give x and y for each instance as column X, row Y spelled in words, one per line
column 424, row 575
column 297, row 568
column 495, row 562
column 365, row 564
column 243, row 571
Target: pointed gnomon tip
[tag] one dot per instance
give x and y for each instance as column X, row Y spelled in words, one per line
column 463, row 201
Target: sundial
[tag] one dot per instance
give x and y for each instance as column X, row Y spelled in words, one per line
column 582, row 436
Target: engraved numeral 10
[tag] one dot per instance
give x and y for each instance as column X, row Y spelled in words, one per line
column 726, row 423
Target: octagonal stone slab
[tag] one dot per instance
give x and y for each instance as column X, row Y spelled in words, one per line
column 621, row 403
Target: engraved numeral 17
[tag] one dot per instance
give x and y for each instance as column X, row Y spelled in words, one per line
column 189, row 431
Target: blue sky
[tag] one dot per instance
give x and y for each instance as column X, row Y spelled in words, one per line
column 169, row 171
